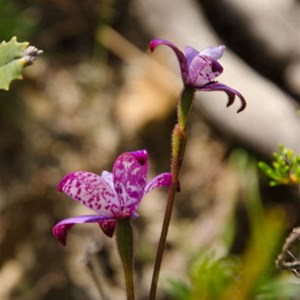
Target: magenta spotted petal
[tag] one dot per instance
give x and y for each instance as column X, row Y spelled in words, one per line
column 92, row 191
column 111, row 196
column 130, row 178
column 164, row 179
column 202, row 70
column 199, row 69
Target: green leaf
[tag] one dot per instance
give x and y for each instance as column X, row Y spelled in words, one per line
column 178, row 289
column 14, row 56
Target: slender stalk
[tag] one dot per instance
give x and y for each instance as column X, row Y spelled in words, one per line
column 179, row 139
column 125, row 246
column 184, row 106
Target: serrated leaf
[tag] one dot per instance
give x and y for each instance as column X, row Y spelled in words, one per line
column 14, row 56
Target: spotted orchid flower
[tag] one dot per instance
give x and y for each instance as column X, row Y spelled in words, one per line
column 199, row 69
column 111, row 196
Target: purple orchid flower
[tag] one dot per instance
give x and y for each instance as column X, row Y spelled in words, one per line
column 113, row 195
column 199, row 69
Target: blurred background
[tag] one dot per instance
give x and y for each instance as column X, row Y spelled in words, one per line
column 96, row 92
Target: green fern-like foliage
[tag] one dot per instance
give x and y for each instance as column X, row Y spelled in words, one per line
column 285, row 168
column 14, row 57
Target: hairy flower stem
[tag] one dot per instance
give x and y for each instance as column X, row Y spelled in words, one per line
column 179, row 139
column 125, row 247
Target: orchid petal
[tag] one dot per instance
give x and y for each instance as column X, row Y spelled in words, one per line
column 190, row 54
column 61, row 229
column 216, row 86
column 180, row 56
column 108, row 177
column 203, row 70
column 92, row 191
column 130, row 177
column 199, row 69
column 214, row 52
column 108, row 226
column 162, row 180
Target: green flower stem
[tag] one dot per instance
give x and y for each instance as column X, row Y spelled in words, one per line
column 125, row 247
column 179, row 139
column 185, row 103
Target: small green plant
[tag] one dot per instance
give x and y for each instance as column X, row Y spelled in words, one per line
column 208, row 276
column 14, row 57
column 285, row 169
